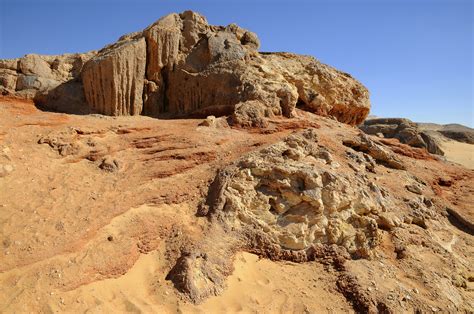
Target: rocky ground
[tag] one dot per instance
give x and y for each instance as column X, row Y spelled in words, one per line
column 305, row 214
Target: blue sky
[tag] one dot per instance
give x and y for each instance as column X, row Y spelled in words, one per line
column 415, row 56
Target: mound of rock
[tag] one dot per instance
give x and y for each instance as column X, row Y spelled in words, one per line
column 52, row 81
column 182, row 66
column 404, row 130
column 291, row 194
column 294, row 194
column 288, row 201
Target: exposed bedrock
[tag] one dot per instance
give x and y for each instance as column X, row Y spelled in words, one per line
column 293, row 196
column 113, row 79
column 404, row 130
column 288, row 201
column 182, row 66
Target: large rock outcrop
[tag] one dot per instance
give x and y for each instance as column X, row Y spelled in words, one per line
column 113, row 79
column 182, row 66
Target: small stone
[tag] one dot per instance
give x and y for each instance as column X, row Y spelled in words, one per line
column 387, row 221
column 459, row 281
column 109, row 164
column 210, row 121
column 5, row 170
column 428, row 202
column 420, row 221
column 414, row 189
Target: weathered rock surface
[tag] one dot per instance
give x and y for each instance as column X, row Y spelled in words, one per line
column 52, row 81
column 327, row 226
column 182, row 66
column 322, row 89
column 290, row 194
column 113, row 79
column 404, row 130
column 380, row 154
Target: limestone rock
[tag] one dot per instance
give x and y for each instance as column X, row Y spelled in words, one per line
column 296, row 203
column 113, row 80
column 5, row 170
column 381, row 155
column 213, row 122
column 465, row 136
column 414, row 188
column 9, row 64
column 36, row 76
column 182, row 66
column 321, row 88
column 109, row 164
column 35, row 65
column 8, row 79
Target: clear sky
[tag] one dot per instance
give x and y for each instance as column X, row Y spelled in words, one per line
column 415, row 56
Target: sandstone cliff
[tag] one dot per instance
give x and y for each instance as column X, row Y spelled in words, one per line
column 182, row 66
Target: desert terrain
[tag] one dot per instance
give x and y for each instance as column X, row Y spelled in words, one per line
column 79, row 236
column 180, row 170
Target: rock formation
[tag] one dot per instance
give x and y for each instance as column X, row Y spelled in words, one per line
column 182, row 66
column 113, row 79
column 292, row 195
column 404, row 130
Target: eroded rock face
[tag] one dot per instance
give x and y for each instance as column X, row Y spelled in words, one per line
column 292, row 195
column 113, row 80
column 321, row 88
column 182, row 66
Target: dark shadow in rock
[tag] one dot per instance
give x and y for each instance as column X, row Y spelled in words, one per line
column 67, row 97
column 460, row 222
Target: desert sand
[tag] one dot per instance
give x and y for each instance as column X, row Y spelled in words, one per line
column 461, row 153
column 78, row 236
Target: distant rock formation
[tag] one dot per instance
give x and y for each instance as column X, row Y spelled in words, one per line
column 182, row 66
column 457, row 132
column 404, row 130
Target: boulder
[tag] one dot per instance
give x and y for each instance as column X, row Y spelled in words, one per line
column 321, row 88
column 8, row 79
column 33, row 64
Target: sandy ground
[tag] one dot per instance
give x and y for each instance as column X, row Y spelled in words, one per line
column 78, row 238
column 458, row 152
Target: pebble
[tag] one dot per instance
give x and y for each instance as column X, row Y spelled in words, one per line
column 5, row 170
